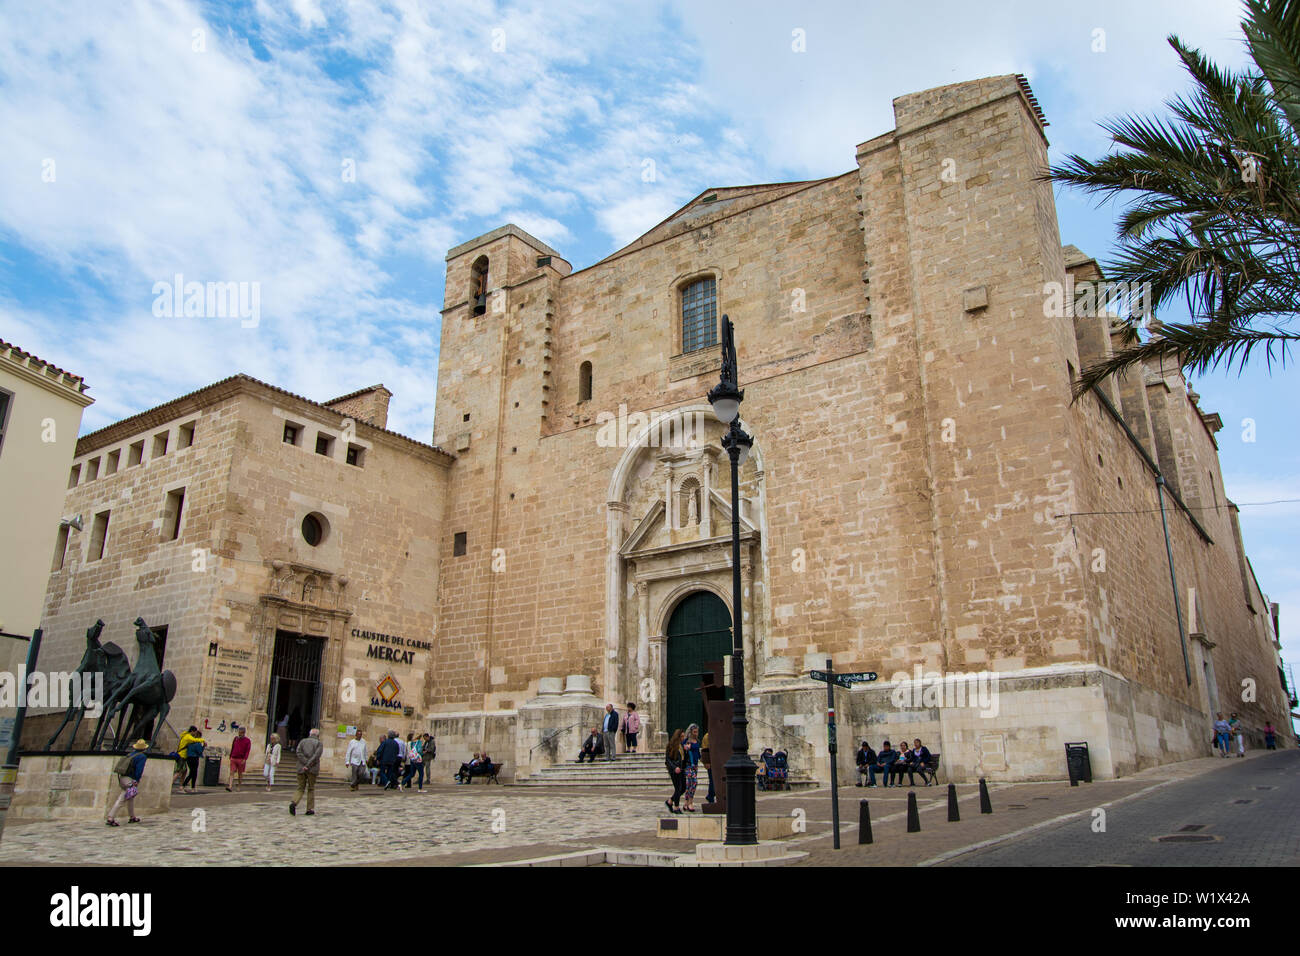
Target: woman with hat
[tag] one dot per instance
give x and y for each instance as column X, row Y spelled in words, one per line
column 129, row 770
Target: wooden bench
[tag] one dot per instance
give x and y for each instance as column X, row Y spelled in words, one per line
column 490, row 774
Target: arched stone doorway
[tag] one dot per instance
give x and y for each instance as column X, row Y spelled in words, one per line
column 699, row 631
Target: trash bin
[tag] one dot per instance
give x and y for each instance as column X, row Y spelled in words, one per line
column 1078, row 764
column 211, row 771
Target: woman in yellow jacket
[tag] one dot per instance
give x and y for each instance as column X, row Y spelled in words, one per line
column 189, row 765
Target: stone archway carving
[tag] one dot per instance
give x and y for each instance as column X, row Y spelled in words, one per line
column 654, row 560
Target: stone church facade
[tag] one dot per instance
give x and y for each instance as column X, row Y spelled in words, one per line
column 923, row 498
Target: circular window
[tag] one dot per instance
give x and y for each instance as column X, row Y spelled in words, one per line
column 314, row 529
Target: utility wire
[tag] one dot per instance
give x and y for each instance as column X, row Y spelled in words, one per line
column 1151, row 511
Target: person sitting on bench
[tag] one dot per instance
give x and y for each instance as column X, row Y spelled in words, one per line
column 884, row 763
column 592, row 746
column 467, row 769
column 919, row 761
column 865, row 758
column 910, row 762
column 904, row 764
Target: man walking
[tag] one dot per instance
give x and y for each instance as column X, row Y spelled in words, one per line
column 386, row 756
column 309, row 751
column 609, row 730
column 355, row 760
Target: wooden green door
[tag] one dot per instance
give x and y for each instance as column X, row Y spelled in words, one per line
column 698, row 631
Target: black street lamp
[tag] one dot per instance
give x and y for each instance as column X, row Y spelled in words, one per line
column 725, row 397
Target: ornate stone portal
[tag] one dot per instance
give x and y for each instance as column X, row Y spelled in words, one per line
column 303, row 600
column 669, row 532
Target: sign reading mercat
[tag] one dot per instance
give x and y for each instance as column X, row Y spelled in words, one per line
column 389, row 647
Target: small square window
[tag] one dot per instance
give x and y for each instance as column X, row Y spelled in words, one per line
column 185, row 437
column 465, row 418
column 111, row 462
column 159, row 445
column 135, row 454
column 324, row 445
column 292, row 433
column 459, row 544
column 92, row 469
column 356, row 455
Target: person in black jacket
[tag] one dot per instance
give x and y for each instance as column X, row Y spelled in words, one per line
column 865, row 757
column 467, row 770
column 593, row 745
column 610, row 729
column 386, row 756
column 675, row 761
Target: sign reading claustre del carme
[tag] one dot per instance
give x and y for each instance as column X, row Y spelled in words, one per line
column 390, row 647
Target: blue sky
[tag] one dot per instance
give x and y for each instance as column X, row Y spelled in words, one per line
column 211, row 139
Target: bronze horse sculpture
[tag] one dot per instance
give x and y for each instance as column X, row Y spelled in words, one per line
column 107, row 659
column 148, row 692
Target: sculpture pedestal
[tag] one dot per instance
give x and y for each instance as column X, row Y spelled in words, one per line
column 83, row 787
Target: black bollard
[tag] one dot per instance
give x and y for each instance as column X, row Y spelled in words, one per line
column 986, row 805
column 864, row 823
column 954, row 816
column 913, row 816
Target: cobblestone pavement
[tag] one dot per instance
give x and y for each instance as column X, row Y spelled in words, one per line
column 367, row 827
column 1032, row 824
column 1247, row 810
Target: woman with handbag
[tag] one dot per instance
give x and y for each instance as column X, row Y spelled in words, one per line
column 674, row 761
column 129, row 770
column 415, row 762
column 631, row 727
column 692, row 766
column 272, row 761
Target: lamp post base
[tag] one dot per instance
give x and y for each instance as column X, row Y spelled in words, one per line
column 770, row 853
column 742, row 811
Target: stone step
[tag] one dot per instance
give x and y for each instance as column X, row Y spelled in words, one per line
column 626, row 770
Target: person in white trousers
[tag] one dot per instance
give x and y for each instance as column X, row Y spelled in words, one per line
column 272, row 761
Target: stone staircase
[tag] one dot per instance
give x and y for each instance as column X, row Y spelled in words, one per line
column 626, row 770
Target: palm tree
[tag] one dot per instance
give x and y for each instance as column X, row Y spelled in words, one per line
column 1216, row 215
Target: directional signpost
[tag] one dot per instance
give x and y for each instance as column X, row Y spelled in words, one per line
column 830, row 678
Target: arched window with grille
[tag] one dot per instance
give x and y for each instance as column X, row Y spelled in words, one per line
column 699, row 314
column 584, row 382
column 478, row 285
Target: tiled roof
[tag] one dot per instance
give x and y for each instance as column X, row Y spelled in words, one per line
column 360, row 391
column 39, row 364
